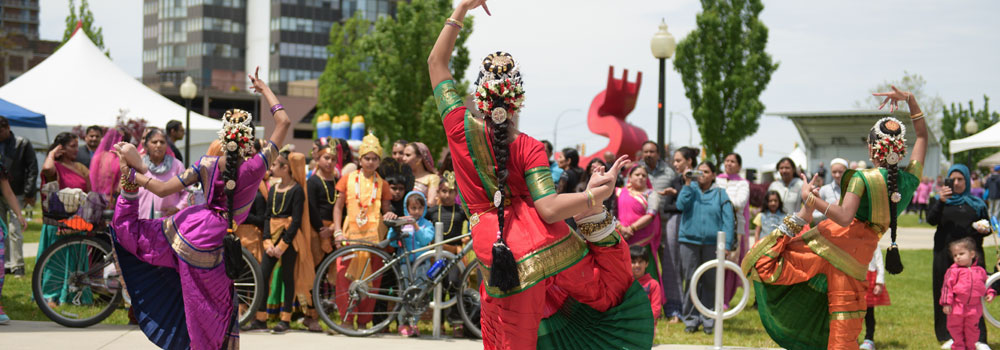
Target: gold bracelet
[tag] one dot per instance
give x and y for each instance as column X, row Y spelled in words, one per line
column 918, row 116
column 128, row 186
column 453, row 22
column 590, row 199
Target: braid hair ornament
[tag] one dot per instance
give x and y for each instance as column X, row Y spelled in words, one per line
column 499, row 92
column 889, row 149
column 236, row 133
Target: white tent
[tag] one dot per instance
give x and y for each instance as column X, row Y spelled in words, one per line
column 986, row 138
column 78, row 85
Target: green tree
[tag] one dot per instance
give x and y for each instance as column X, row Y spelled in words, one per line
column 916, row 84
column 87, row 18
column 345, row 85
column 725, row 69
column 400, row 102
column 953, row 122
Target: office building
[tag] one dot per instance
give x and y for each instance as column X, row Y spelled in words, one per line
column 20, row 48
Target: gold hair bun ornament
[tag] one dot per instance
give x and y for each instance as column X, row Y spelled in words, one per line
column 497, row 197
column 896, row 197
column 231, row 185
column 448, row 179
column 232, row 146
column 499, row 115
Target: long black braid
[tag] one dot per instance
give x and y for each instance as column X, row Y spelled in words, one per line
column 232, row 248
column 893, row 262
column 503, row 274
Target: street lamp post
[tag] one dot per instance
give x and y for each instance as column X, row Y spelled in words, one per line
column 555, row 132
column 188, row 91
column 662, row 46
column 971, row 128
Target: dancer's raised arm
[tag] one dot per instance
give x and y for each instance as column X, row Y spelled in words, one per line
column 281, row 121
column 916, row 116
column 440, row 57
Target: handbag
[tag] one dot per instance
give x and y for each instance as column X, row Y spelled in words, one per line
column 93, row 207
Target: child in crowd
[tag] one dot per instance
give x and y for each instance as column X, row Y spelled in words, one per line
column 417, row 233
column 639, row 264
column 769, row 218
column 877, row 296
column 964, row 285
column 454, row 220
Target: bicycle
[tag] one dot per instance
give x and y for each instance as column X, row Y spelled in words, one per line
column 82, row 266
column 410, row 295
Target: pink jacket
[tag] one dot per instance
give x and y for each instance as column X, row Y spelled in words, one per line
column 923, row 193
column 964, row 286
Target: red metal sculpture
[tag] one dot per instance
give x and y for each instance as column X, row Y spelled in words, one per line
column 607, row 114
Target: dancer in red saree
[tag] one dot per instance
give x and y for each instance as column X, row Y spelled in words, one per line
column 540, row 279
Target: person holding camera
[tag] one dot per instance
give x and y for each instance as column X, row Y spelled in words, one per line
column 705, row 210
column 953, row 215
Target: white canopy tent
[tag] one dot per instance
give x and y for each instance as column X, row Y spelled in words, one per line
column 78, row 85
column 983, row 139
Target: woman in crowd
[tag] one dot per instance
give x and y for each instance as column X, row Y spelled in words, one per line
column 738, row 190
column 639, row 217
column 398, row 148
column 705, row 210
column 104, row 171
column 322, row 190
column 163, row 167
column 343, row 160
column 533, row 265
column 61, row 167
column 8, row 196
column 175, row 268
column 683, row 160
column 788, row 185
column 418, row 157
column 788, row 265
column 923, row 196
column 572, row 173
column 366, row 197
column 953, row 215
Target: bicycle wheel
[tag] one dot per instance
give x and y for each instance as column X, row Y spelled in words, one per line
column 249, row 287
column 75, row 282
column 468, row 305
column 346, row 305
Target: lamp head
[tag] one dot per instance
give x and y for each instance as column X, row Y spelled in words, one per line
column 188, row 89
column 663, row 43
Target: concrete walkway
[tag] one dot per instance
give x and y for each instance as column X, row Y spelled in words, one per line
column 47, row 335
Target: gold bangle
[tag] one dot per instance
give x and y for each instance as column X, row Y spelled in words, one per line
column 590, row 199
column 917, row 116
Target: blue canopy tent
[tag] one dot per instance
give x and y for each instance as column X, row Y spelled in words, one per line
column 25, row 123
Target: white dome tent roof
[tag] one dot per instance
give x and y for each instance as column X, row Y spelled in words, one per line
column 79, row 85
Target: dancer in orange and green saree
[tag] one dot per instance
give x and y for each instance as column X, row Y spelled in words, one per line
column 544, row 286
column 810, row 286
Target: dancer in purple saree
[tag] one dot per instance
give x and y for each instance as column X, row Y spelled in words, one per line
column 174, row 268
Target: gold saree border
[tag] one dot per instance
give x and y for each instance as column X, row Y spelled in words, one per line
column 540, row 264
column 834, row 255
column 204, row 259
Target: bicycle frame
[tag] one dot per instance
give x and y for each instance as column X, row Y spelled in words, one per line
column 405, row 255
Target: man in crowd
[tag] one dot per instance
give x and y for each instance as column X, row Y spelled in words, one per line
column 22, row 168
column 556, row 170
column 661, row 175
column 91, row 141
column 830, row 192
column 175, row 132
column 993, row 186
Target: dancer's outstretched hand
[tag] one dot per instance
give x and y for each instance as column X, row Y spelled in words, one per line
column 602, row 181
column 470, row 5
column 893, row 97
column 259, row 86
column 809, row 187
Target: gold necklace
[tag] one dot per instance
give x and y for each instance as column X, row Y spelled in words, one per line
column 326, row 190
column 283, row 196
column 451, row 222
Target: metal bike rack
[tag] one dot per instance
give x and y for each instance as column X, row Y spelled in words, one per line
column 986, row 313
column 720, row 264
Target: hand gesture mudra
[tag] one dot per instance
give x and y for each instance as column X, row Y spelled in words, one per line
column 892, row 98
column 258, row 85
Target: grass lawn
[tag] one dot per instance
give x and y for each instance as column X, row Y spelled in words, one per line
column 906, row 324
column 912, row 220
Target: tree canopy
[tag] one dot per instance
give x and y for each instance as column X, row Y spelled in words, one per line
column 725, row 69
column 86, row 17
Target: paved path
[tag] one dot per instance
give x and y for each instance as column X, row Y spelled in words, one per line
column 47, row 335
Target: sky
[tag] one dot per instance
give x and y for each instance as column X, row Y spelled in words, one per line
column 830, row 53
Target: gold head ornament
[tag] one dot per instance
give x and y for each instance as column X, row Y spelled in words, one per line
column 448, row 180
column 370, row 144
